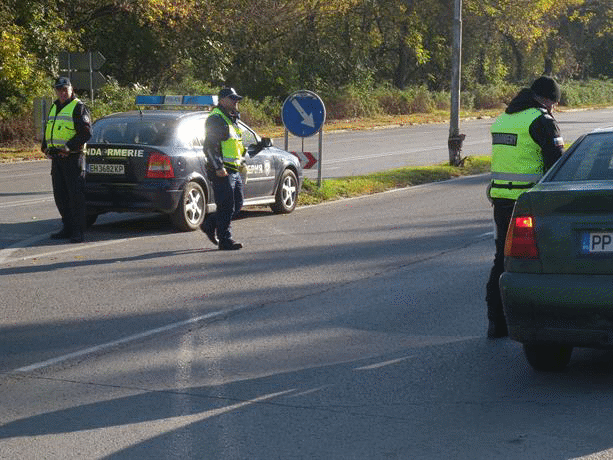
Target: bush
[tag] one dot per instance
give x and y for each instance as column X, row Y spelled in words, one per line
column 590, row 92
column 353, row 101
column 112, row 98
column 350, row 102
column 18, row 130
column 263, row 113
column 493, row 97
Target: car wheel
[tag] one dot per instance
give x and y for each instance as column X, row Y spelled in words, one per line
column 190, row 212
column 287, row 193
column 549, row 357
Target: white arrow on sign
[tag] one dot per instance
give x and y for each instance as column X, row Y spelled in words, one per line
column 307, row 119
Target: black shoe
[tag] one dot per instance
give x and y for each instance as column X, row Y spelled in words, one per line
column 61, row 235
column 497, row 330
column 209, row 231
column 229, row 245
column 77, row 238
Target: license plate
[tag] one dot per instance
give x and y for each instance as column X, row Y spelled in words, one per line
column 596, row 242
column 95, row 168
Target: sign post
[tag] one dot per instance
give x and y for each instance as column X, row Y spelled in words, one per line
column 303, row 114
column 82, row 69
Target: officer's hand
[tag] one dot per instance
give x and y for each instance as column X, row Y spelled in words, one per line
column 221, row 172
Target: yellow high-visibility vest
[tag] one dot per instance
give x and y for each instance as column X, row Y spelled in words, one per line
column 232, row 149
column 60, row 126
column 517, row 162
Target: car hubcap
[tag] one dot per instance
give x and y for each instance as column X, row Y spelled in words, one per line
column 289, row 192
column 194, row 206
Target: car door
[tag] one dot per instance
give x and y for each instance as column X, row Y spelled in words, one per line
column 261, row 165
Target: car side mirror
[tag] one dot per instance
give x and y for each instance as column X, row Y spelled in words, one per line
column 265, row 142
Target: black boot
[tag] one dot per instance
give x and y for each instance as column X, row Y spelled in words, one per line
column 497, row 329
column 229, row 245
column 63, row 234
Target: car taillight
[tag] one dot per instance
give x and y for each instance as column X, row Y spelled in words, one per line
column 521, row 239
column 159, row 167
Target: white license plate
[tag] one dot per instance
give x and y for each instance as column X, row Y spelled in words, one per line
column 596, row 242
column 95, row 168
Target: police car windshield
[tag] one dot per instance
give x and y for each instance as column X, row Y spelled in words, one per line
column 133, row 130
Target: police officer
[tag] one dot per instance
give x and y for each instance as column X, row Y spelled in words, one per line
column 526, row 142
column 68, row 129
column 224, row 149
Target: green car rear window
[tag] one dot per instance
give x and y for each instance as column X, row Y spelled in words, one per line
column 592, row 159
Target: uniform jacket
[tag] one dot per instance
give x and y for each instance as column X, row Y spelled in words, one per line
column 83, row 126
column 217, row 131
column 544, row 129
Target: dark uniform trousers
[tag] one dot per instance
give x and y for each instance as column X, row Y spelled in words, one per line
column 228, row 192
column 68, row 179
column 503, row 209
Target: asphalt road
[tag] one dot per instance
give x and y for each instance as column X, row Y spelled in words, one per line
column 351, row 330
column 361, row 152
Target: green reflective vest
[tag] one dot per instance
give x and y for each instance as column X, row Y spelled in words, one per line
column 517, row 162
column 60, row 126
column 232, row 149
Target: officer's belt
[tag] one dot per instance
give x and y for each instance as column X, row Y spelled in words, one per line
column 516, row 177
column 511, row 185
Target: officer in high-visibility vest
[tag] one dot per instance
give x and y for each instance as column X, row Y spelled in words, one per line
column 526, row 142
column 224, row 149
column 67, row 130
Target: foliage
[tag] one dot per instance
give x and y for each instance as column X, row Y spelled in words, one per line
column 592, row 92
column 366, row 57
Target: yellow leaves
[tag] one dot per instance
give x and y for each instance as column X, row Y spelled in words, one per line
column 526, row 21
column 165, row 11
column 14, row 60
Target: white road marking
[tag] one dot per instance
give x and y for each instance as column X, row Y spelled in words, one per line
column 126, row 340
column 12, row 204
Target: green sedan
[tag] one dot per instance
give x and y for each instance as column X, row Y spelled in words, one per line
column 557, row 288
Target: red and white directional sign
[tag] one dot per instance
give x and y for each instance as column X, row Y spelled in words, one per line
column 307, row 159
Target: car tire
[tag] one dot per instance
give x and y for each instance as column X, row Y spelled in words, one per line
column 191, row 208
column 548, row 357
column 287, row 193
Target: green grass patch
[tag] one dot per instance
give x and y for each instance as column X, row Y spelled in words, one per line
column 13, row 154
column 347, row 187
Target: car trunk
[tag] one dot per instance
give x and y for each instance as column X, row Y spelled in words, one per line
column 117, row 163
column 574, row 226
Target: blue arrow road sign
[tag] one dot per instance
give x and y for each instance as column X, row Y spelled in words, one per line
column 303, row 113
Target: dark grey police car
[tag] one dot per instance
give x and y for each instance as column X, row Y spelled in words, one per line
column 152, row 161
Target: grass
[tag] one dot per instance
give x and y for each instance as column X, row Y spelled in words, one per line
column 13, row 154
column 347, row 187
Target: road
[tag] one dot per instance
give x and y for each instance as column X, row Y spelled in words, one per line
column 354, row 329
column 353, row 153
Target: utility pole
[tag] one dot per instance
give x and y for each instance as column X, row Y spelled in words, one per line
column 455, row 138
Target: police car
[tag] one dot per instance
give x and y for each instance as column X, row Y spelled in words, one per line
column 152, row 160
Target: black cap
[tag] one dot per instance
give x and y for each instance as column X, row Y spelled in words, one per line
column 61, row 82
column 546, row 87
column 229, row 92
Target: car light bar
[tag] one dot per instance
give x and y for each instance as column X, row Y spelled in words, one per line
column 208, row 100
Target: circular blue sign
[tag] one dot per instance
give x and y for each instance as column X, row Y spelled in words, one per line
column 303, row 113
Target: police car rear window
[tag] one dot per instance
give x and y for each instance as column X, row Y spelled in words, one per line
column 133, row 131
